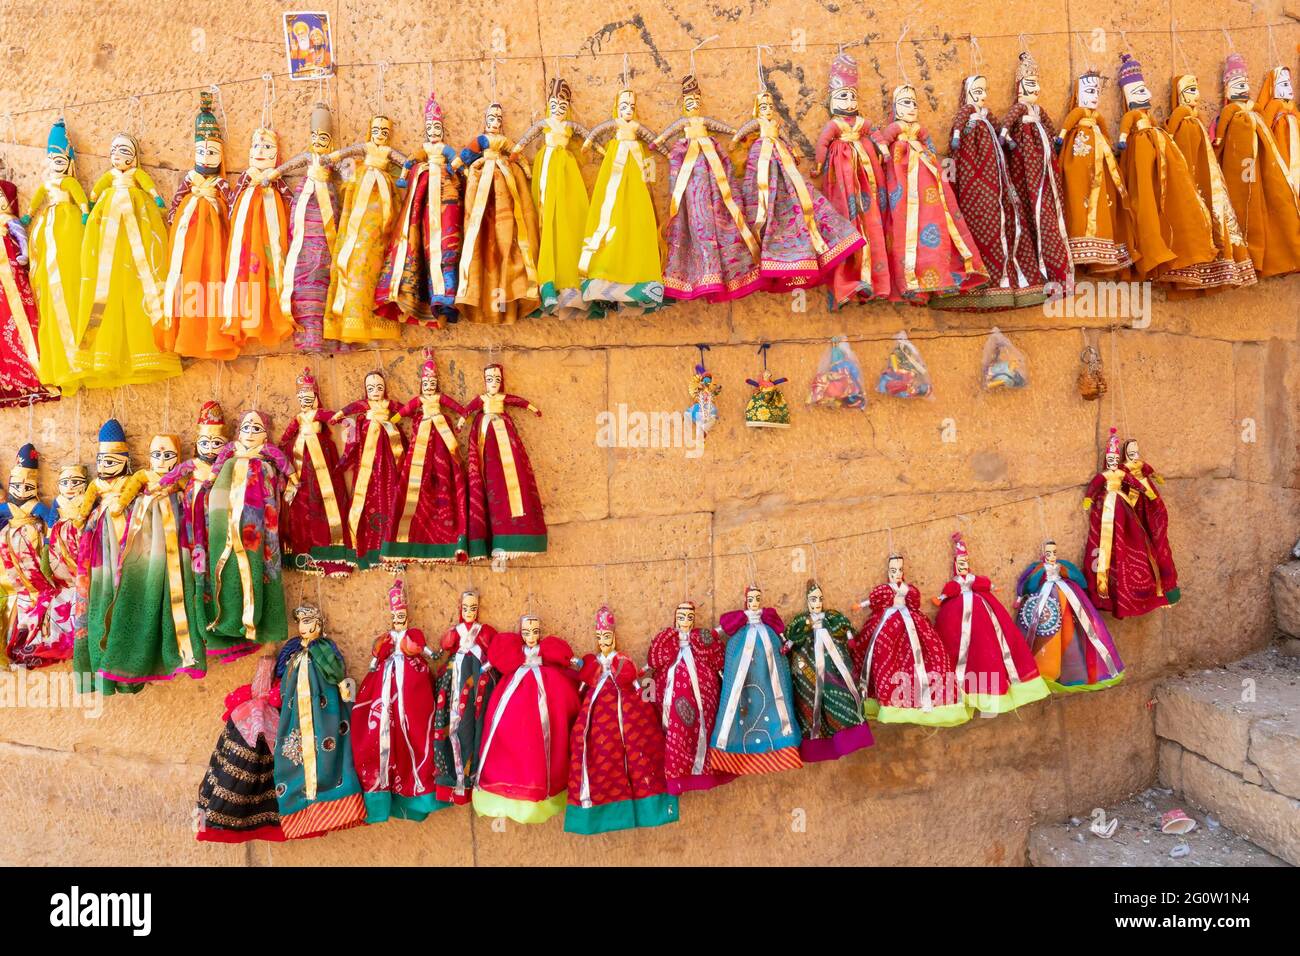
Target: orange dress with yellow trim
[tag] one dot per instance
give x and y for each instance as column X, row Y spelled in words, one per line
column 1266, row 207
column 199, row 232
column 1096, row 204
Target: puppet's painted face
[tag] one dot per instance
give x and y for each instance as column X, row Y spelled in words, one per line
column 381, row 130
column 1131, row 451
column 1238, row 89
column 905, row 108
column 309, row 628
column 322, row 141
column 21, row 489
column 207, row 447
column 110, row 464
column 492, row 380
column 1049, row 552
column 605, row 642
column 72, row 486
column 1137, row 96
column 1027, row 90
column 376, row 388
column 753, row 599
column 263, row 151
column 1190, row 94
column 122, row 153
column 764, row 106
column 895, row 570
column 208, row 154
column 493, row 118
column 434, row 131
column 1112, row 460
column 56, row 164
column 626, row 108
column 530, row 629
column 308, row 400
column 962, row 564
column 252, row 432
column 429, row 384
column 399, row 619
column 692, row 103
column 1089, row 92
column 977, row 91
column 815, row 601
column 469, row 607
column 1282, row 87
column 558, row 107
column 684, row 619
column 163, row 457
column 844, row 101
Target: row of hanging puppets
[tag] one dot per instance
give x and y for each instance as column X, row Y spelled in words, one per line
column 123, row 284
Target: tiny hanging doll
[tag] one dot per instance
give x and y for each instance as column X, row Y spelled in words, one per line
column 316, row 785
column 1278, row 111
column 1150, row 507
column 561, row 203
column 838, row 382
column 827, row 700
column 616, row 770
column 505, row 508
column 316, row 537
column 199, row 223
column 464, row 687
column 392, row 732
column 854, row 184
column 1003, row 367
column 703, row 392
column 64, row 546
column 418, row 284
column 904, row 374
column 372, row 455
column 524, row 763
column 431, row 510
column 24, row 562
column 19, row 319
column 1073, row 650
column 56, row 222
column 711, row 252
column 995, row 668
column 1091, row 383
column 756, row 731
column 766, row 408
column 497, row 283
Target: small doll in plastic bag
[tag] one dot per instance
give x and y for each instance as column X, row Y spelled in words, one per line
column 838, row 382
column 904, row 374
column 1004, row 365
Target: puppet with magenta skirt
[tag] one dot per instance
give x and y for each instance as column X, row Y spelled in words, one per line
column 19, row 318
column 616, row 774
column 464, row 687
column 24, row 562
column 1154, row 515
column 372, row 455
column 64, row 545
column 316, row 538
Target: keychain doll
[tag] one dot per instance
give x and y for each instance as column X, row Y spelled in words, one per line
column 372, row 455
column 316, row 538
column 464, row 687
column 766, row 408
column 19, row 320
column 24, row 562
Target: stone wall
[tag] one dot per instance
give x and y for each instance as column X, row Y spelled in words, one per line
column 1209, row 387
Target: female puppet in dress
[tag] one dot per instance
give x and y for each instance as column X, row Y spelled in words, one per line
column 711, row 252
column 199, row 222
column 505, row 509
column 316, row 785
column 464, row 687
column 756, row 731
column 25, row 565
column 827, row 699
column 621, row 265
column 194, row 478
column 616, row 770
column 904, row 671
column 64, row 545
column 497, row 282
column 19, row 319
column 931, row 249
column 1073, row 650
column 1278, row 111
column 56, row 221
column 430, row 514
column 1095, row 201
column 1150, row 508
column 802, row 238
column 418, row 284
column 372, row 455
column 524, row 763
column 686, row 663
column 854, row 183
column 560, row 198
column 995, row 667
column 315, row 538
column 392, row 731
column 1120, row 565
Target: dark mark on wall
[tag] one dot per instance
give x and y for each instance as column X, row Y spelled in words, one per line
column 597, row 40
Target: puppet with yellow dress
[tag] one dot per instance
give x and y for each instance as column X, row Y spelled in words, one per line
column 1096, row 203
column 1279, row 113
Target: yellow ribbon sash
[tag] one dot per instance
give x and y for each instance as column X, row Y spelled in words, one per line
column 431, row 418
column 917, row 156
column 121, row 218
column 380, row 420
column 1103, row 164
column 306, row 721
column 495, row 160
column 268, row 196
column 307, row 447
column 315, row 186
column 852, row 133
column 374, row 178
column 159, row 500
column 15, row 299
column 404, row 231
column 494, row 407
column 235, row 540
column 202, row 189
column 56, row 196
column 700, row 143
column 771, row 143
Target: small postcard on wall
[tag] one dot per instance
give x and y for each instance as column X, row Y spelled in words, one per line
column 309, row 43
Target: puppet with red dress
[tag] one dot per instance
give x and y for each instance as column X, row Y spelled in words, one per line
column 1154, row 515
column 316, row 537
column 372, row 455
column 464, row 687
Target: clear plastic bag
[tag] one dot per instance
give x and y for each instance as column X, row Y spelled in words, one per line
column 838, row 382
column 904, row 374
column 1004, row 366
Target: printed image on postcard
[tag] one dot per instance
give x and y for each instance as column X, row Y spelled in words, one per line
column 310, row 45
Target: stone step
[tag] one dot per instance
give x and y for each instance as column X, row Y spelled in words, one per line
column 1286, row 598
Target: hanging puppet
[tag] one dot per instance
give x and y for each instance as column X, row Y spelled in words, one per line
column 316, row 537
column 827, row 700
column 430, row 514
column 372, row 455
column 1151, row 510
column 1073, row 650
column 64, row 547
column 194, row 478
column 616, row 770
column 854, row 184
column 524, row 763
column 756, row 731
column 1278, row 111
column 24, row 561
column 497, row 281
column 704, row 392
column 766, row 407
column 464, row 687
column 505, row 509
column 418, row 284
column 19, row 319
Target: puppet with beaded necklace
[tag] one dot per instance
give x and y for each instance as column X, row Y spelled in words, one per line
column 1278, row 111
column 19, row 318
column 372, row 455
column 64, row 545
column 1150, row 508
column 24, row 562
column 464, row 687
column 315, row 537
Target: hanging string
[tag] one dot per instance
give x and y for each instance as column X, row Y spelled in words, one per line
column 334, row 378
column 1119, row 378
column 758, row 52
column 686, row 578
column 627, row 72
column 1042, row 518
column 167, row 406
column 753, row 567
column 976, row 56
column 898, row 52
column 812, row 546
column 1023, row 38
column 1177, row 44
column 889, row 532
column 1085, row 55
column 1227, row 41
column 257, row 383
column 1274, row 55
column 221, row 107
column 494, row 79
column 268, row 101
column 382, row 66
column 604, row 585
column 696, row 47
column 76, row 427
column 762, row 350
column 703, row 348
column 31, row 415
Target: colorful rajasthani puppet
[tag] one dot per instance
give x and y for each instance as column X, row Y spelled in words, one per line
column 905, row 673
column 1119, row 563
column 1073, row 650
column 316, row 785
column 392, row 722
column 616, row 769
column 1028, row 133
column 704, row 392
column 1255, row 174
column 199, row 222
column 524, row 763
column 560, row 199
column 854, row 183
column 151, row 634
column 123, row 276
column 372, row 454
column 767, row 407
column 995, row 667
column 711, row 252
column 1095, row 201
column 29, row 641
column 827, row 700
column 418, row 284
column 931, row 249
column 315, row 536
column 245, row 582
column 365, row 224
column 505, row 509
column 621, row 264
column 686, row 662
column 56, row 224
column 992, row 210
column 19, row 318
column 1150, row 508
column 1279, row 113
column 430, row 514
column 756, row 730
column 802, row 238
column 464, row 687
column 497, row 280
column 1193, row 141
column 64, row 545
column 237, row 795
column 47, row 513
column 259, row 243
